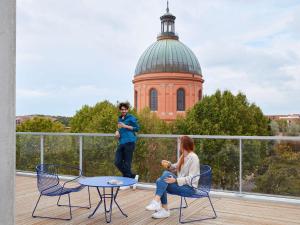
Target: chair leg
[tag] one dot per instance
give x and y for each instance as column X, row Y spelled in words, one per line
column 183, row 207
column 70, row 207
column 36, row 206
column 46, row 217
column 212, row 207
column 197, row 220
column 90, row 205
column 76, row 206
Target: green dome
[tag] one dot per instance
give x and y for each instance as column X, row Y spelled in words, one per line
column 168, row 55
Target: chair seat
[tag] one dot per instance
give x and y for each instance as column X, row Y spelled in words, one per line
column 199, row 194
column 59, row 190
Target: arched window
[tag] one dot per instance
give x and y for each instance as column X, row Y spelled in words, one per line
column 135, row 99
column 199, row 94
column 153, row 99
column 180, row 99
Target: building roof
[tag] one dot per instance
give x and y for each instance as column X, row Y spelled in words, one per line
column 168, row 55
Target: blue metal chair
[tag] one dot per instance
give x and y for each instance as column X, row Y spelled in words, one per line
column 202, row 191
column 49, row 184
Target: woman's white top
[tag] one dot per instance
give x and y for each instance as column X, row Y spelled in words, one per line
column 189, row 169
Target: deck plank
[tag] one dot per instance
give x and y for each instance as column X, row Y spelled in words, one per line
column 230, row 210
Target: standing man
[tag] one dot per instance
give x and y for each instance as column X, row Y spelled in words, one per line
column 127, row 126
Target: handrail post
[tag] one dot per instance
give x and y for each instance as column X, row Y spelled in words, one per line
column 241, row 168
column 178, row 148
column 42, row 148
column 80, row 153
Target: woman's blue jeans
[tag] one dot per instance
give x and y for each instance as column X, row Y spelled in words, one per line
column 162, row 188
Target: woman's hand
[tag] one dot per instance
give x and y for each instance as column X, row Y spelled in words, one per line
column 170, row 180
column 166, row 164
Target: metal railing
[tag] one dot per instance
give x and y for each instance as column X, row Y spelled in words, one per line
column 239, row 139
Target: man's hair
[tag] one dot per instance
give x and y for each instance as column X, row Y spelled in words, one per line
column 124, row 104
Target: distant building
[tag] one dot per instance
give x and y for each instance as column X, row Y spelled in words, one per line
column 291, row 118
column 21, row 119
column 168, row 77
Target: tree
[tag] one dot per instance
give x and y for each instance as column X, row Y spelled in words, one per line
column 150, row 123
column 280, row 172
column 28, row 146
column 226, row 114
column 274, row 127
column 101, row 118
column 40, row 124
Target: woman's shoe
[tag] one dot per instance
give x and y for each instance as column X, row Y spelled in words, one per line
column 153, row 206
column 162, row 213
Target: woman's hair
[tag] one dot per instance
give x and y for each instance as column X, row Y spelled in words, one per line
column 187, row 144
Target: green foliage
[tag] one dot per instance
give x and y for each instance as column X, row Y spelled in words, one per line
column 226, row 114
column 64, row 120
column 40, row 124
column 101, row 118
column 150, row 123
column 280, row 172
column 274, row 127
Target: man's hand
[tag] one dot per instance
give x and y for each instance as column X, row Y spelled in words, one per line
column 121, row 125
column 117, row 134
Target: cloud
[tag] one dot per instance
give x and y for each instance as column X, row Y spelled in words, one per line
column 87, row 51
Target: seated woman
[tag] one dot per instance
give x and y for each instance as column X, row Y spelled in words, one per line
column 187, row 167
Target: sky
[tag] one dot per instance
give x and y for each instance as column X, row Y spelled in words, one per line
column 75, row 53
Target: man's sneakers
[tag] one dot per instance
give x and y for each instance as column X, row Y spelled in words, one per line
column 136, row 177
column 153, row 206
column 137, row 180
column 124, row 187
column 162, row 213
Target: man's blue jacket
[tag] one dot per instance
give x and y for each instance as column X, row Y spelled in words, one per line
column 127, row 135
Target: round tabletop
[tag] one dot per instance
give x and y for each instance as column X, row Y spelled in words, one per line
column 103, row 181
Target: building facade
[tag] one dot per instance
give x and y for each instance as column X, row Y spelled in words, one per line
column 168, row 77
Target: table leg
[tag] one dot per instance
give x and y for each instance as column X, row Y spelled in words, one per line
column 117, row 202
column 98, row 203
column 108, row 220
column 112, row 197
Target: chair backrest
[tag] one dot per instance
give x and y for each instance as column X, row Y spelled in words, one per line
column 47, row 176
column 205, row 178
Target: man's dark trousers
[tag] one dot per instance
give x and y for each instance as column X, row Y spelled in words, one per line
column 123, row 158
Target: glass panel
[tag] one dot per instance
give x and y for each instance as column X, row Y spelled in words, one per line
column 223, row 157
column 148, row 155
column 99, row 156
column 27, row 152
column 62, row 150
column 271, row 167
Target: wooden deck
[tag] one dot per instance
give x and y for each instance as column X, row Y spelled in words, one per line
column 133, row 202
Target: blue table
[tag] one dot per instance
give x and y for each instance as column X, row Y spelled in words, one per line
column 102, row 182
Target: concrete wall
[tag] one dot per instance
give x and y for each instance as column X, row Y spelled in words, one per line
column 7, row 110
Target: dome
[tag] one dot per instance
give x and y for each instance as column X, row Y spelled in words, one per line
column 168, row 55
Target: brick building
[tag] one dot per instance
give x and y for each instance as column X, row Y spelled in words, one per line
column 168, row 77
